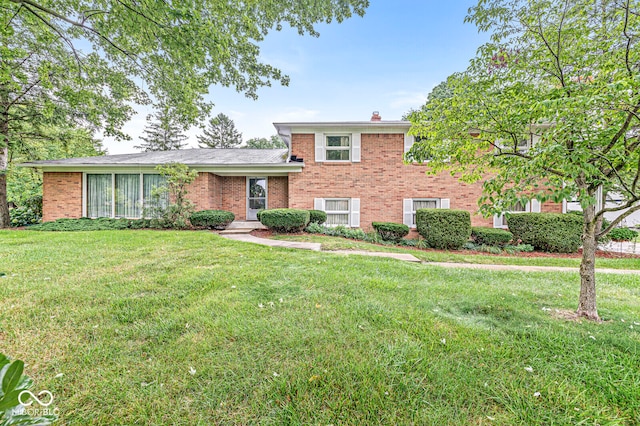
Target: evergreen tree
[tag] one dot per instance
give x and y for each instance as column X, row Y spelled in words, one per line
column 221, row 132
column 164, row 134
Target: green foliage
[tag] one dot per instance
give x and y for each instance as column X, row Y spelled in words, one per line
column 285, row 220
column 13, row 382
column 317, row 216
column 315, row 228
column 443, row 228
column 274, row 142
column 220, row 132
column 176, row 214
column 211, row 219
column 100, row 224
column 552, row 232
column 390, row 231
column 162, row 133
column 491, row 236
column 23, row 216
column 623, row 234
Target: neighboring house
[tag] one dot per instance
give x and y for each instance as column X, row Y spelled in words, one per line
column 352, row 170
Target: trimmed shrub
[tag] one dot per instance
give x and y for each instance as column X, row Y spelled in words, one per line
column 211, row 219
column 317, row 216
column 86, row 224
column 285, row 220
column 259, row 213
column 491, row 236
column 622, row 234
column 23, row 216
column 443, row 228
column 552, row 232
column 390, row 231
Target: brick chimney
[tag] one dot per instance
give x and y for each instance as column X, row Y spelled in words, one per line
column 376, row 116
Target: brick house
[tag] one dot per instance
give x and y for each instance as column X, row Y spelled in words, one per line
column 352, row 170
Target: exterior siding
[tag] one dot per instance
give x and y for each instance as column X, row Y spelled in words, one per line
column 277, row 192
column 234, row 195
column 61, row 195
column 381, row 181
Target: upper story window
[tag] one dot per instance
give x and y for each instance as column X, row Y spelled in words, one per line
column 337, row 147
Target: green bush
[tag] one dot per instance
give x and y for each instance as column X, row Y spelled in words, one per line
column 23, row 216
column 259, row 213
column 13, row 384
column 443, row 228
column 491, row 236
column 390, row 231
column 211, row 219
column 100, row 224
column 552, row 232
column 622, row 234
column 317, row 216
column 285, row 220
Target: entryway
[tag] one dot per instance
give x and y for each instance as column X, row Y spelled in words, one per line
column 256, row 196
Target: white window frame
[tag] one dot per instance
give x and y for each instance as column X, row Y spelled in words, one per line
column 499, row 221
column 409, row 212
column 353, row 212
column 328, row 148
column 113, row 192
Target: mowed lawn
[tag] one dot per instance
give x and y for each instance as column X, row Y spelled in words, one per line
column 163, row 327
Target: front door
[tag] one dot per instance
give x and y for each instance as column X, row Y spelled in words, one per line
column 256, row 196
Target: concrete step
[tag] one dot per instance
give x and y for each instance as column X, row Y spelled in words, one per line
column 236, row 231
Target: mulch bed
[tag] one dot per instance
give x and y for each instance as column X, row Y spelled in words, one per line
column 265, row 233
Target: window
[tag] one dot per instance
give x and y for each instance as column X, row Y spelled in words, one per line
column 521, row 147
column 337, row 212
column 427, row 203
column 338, row 148
column 340, row 211
column 500, row 220
column 122, row 195
column 411, row 205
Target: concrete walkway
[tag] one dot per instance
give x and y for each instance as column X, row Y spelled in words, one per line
column 248, row 238
column 621, row 247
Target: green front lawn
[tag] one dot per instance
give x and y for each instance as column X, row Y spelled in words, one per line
column 164, row 327
column 460, row 256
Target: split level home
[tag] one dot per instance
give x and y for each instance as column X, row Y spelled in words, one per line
column 352, row 170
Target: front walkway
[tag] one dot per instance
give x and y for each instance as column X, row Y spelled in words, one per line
column 410, row 258
column 621, row 247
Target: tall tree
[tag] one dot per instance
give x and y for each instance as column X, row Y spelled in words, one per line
column 549, row 109
column 162, row 133
column 220, row 132
column 274, row 142
column 86, row 62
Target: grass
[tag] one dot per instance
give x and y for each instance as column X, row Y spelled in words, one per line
column 163, row 327
column 461, row 256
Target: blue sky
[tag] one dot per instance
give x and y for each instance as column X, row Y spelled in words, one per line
column 387, row 61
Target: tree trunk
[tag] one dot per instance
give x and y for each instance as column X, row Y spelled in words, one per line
column 587, row 305
column 4, row 206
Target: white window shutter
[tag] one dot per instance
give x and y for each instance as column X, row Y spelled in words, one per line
column 355, row 212
column 355, row 147
column 318, row 204
column 407, row 212
column 497, row 220
column 535, row 206
column 445, row 203
column 319, row 147
column 408, row 142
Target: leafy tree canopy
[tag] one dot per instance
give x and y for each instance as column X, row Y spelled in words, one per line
column 220, row 132
column 274, row 142
column 86, row 62
column 548, row 109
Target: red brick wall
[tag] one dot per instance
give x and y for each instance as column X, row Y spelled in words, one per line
column 199, row 192
column 61, row 195
column 278, row 192
column 234, row 195
column 381, row 180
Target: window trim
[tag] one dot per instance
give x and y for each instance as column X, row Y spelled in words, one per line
column 501, row 217
column 113, row 192
column 327, row 148
column 413, row 208
column 335, row 212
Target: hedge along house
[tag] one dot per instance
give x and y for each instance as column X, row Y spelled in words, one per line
column 354, row 171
